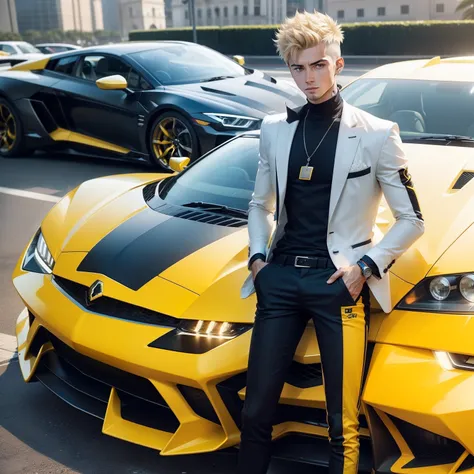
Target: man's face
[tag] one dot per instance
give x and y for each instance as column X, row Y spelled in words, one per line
column 314, row 71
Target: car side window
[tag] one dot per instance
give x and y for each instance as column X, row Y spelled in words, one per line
column 94, row 67
column 7, row 48
column 65, row 65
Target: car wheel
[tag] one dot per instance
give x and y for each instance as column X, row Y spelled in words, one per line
column 11, row 136
column 172, row 135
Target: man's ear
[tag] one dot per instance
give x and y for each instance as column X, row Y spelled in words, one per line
column 339, row 65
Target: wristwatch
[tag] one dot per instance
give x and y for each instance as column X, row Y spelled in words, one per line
column 365, row 269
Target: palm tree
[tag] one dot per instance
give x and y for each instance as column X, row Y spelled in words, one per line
column 467, row 7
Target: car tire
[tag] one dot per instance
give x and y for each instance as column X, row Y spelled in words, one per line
column 11, row 130
column 172, row 135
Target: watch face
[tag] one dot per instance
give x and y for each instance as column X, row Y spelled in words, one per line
column 367, row 272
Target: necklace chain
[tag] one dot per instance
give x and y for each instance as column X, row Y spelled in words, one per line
column 321, row 141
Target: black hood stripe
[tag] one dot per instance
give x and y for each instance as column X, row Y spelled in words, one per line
column 147, row 244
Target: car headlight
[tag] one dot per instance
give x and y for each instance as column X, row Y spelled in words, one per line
column 38, row 258
column 234, row 121
column 212, row 329
column 442, row 294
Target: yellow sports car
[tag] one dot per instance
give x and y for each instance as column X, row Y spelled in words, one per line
column 133, row 313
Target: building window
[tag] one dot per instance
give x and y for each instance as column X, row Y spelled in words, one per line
column 217, row 11
column 405, row 9
column 236, row 11
column 199, row 13
column 186, row 14
column 381, row 11
column 226, row 12
column 246, row 10
column 209, row 14
column 256, row 9
column 153, row 12
column 360, row 13
column 130, row 12
column 440, row 8
column 340, row 14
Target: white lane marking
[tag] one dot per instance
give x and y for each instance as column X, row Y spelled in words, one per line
column 29, row 194
column 7, row 348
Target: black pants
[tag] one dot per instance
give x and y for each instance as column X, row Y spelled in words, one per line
column 287, row 298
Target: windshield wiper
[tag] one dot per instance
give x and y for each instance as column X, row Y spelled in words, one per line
column 220, row 208
column 445, row 138
column 217, row 78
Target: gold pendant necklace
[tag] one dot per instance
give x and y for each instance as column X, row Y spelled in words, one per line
column 306, row 171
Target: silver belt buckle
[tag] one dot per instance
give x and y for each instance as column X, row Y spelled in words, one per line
column 301, row 266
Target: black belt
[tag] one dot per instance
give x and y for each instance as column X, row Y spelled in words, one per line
column 303, row 262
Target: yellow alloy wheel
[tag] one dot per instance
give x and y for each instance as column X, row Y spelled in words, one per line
column 7, row 129
column 171, row 138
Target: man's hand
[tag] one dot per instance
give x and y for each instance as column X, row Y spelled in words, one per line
column 256, row 267
column 352, row 277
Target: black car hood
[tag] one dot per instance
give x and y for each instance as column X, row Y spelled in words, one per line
column 258, row 91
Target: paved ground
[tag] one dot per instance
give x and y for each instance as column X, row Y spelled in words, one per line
column 39, row 433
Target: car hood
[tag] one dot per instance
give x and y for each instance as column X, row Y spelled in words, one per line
column 113, row 233
column 446, row 196
column 256, row 91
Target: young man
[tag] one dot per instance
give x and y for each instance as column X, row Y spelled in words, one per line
column 321, row 175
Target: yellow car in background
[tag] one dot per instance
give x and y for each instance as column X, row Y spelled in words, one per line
column 133, row 313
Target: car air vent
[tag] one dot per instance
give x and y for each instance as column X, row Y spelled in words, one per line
column 463, row 179
column 216, row 91
column 269, row 78
column 199, row 215
column 44, row 116
column 149, row 191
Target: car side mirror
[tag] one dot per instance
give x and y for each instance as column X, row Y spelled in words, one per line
column 178, row 164
column 239, row 59
column 112, row 83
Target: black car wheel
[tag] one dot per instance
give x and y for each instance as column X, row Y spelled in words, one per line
column 172, row 136
column 10, row 130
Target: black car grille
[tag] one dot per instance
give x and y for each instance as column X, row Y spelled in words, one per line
column 112, row 307
column 85, row 383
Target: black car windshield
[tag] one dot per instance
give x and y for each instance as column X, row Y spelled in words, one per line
column 426, row 111
column 173, row 64
column 226, row 177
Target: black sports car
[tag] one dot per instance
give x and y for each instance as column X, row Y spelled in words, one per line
column 139, row 101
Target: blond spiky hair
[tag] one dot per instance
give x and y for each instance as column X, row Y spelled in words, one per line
column 306, row 30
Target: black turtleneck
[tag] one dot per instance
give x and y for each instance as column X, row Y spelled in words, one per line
column 307, row 202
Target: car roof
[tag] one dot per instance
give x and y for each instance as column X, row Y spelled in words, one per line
column 458, row 69
column 58, row 44
column 130, row 47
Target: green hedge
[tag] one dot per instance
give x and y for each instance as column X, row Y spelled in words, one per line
column 383, row 38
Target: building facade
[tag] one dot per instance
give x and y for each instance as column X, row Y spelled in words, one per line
column 142, row 15
column 348, row 11
column 42, row 15
column 111, row 15
column 8, row 19
column 255, row 12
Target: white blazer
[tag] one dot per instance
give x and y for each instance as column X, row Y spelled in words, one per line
column 369, row 161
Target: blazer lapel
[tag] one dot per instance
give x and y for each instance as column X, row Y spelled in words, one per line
column 346, row 149
column 286, row 132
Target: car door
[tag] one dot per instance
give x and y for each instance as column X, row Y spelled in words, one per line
column 107, row 115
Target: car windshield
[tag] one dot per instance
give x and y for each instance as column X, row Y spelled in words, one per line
column 226, row 176
column 27, row 48
column 173, row 64
column 424, row 110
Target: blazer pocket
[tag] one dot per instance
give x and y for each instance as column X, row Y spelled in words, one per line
column 361, row 244
column 358, row 174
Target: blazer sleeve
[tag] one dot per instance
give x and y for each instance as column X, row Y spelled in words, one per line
column 263, row 202
column 399, row 192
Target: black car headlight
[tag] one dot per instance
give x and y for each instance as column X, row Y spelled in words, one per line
column 38, row 258
column 234, row 121
column 442, row 294
column 211, row 329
